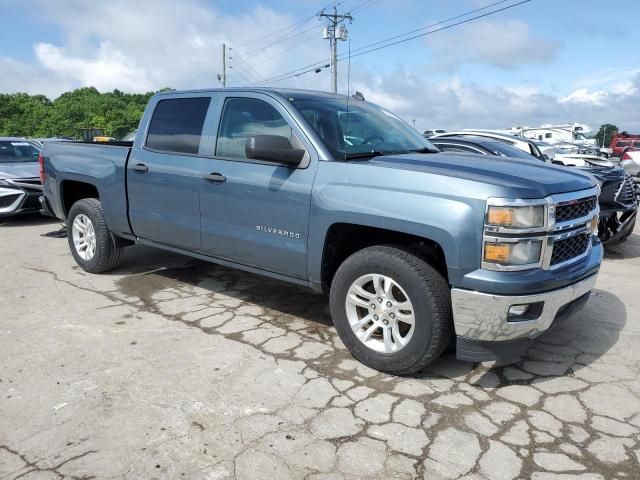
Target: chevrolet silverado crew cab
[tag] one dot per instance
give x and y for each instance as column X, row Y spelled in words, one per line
column 415, row 248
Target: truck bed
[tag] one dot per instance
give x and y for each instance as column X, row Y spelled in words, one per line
column 102, row 165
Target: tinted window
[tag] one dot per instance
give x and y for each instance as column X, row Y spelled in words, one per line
column 510, row 151
column 176, row 125
column 246, row 117
column 456, row 148
column 17, row 151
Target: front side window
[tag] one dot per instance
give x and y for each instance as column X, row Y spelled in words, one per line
column 177, row 123
column 246, row 117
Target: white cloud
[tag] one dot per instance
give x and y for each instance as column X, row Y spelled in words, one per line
column 582, row 95
column 141, row 46
column 106, row 70
column 456, row 104
column 503, row 44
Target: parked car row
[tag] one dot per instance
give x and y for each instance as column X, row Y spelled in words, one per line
column 618, row 199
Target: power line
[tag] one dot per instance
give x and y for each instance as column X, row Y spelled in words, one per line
column 408, row 33
column 440, row 29
column 471, row 12
column 291, row 35
column 287, row 33
column 295, row 45
column 300, row 23
column 364, row 5
column 287, row 36
column 238, row 68
column 363, row 50
column 236, row 56
column 239, row 73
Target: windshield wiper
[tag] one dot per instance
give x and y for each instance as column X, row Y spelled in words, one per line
column 369, row 154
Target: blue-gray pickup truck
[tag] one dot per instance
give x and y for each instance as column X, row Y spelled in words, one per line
column 415, row 248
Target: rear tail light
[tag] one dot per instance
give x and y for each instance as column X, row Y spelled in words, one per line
column 41, row 163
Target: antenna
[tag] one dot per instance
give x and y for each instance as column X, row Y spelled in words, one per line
column 348, row 96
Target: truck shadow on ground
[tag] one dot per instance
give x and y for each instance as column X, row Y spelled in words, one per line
column 630, row 248
column 27, row 220
column 570, row 345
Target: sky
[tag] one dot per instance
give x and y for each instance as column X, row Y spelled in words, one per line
column 545, row 61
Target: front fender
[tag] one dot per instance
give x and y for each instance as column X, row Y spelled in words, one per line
column 454, row 224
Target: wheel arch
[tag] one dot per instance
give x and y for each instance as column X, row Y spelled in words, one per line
column 343, row 239
column 73, row 190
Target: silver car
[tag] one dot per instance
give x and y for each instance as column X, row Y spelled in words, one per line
column 20, row 185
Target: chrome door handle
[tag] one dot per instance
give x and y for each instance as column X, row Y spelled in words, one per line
column 140, row 167
column 215, row 178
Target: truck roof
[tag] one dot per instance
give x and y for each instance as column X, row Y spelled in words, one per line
column 286, row 92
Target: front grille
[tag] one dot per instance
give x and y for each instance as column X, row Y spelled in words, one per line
column 569, row 248
column 626, row 193
column 571, row 211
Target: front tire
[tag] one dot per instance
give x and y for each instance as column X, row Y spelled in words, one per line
column 92, row 245
column 391, row 309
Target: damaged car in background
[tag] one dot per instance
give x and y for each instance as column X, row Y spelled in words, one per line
column 20, row 186
column 618, row 198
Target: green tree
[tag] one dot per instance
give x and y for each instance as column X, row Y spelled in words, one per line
column 605, row 132
column 116, row 113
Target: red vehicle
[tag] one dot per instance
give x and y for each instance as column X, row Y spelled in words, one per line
column 620, row 141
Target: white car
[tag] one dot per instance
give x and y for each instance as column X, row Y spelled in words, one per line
column 630, row 161
column 582, row 160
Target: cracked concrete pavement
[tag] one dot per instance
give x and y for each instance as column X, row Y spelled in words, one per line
column 174, row 368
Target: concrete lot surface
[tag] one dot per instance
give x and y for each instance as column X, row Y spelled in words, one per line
column 175, row 368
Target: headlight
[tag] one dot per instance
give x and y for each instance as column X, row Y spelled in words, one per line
column 515, row 217
column 522, row 252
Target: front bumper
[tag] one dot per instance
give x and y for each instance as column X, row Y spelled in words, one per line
column 484, row 317
column 20, row 196
column 615, row 227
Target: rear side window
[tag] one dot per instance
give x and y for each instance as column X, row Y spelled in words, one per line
column 176, row 125
column 245, row 117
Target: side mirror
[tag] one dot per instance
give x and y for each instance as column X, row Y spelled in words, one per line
column 274, row 148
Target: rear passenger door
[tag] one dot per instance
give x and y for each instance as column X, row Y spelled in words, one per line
column 163, row 173
column 256, row 212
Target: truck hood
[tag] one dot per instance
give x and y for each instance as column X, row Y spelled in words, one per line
column 525, row 179
column 19, row 170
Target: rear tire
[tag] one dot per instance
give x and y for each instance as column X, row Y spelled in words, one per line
column 399, row 327
column 92, row 245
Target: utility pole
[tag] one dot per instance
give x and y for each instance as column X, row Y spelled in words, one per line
column 334, row 31
column 224, row 66
column 222, row 78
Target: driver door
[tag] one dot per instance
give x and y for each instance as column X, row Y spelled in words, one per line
column 256, row 212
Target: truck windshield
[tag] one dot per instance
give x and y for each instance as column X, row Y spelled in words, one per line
column 359, row 129
column 17, row 151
